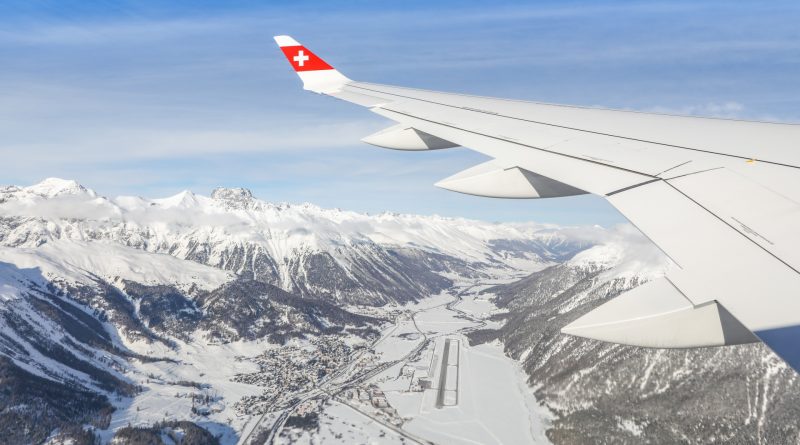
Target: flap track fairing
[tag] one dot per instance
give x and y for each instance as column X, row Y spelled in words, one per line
column 492, row 180
column 403, row 137
column 658, row 315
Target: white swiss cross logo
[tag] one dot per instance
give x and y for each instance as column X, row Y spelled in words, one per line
column 300, row 58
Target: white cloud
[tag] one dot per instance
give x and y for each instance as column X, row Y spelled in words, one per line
column 159, row 104
column 728, row 109
column 120, row 144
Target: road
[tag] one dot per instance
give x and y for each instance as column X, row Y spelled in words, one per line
column 396, row 429
column 338, row 381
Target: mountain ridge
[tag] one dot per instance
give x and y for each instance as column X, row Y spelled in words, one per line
column 104, row 299
column 608, row 393
column 280, row 243
column 131, row 291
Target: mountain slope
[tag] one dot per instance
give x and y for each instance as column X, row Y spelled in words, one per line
column 105, row 302
column 78, row 320
column 607, row 393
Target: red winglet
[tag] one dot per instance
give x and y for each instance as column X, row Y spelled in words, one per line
column 304, row 60
column 317, row 76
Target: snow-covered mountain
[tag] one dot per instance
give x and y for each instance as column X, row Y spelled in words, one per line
column 78, row 319
column 608, row 393
column 97, row 293
column 107, row 301
column 345, row 256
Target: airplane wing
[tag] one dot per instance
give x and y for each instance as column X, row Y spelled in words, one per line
column 720, row 197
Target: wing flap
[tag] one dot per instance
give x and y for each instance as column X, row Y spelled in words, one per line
column 718, row 263
column 714, row 261
column 764, row 217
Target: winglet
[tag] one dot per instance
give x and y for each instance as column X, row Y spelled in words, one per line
column 316, row 74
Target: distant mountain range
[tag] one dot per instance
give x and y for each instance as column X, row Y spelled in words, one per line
column 93, row 287
column 343, row 256
column 87, row 282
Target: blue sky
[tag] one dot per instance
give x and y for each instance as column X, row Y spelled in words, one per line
column 151, row 98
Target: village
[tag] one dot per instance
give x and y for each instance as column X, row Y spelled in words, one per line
column 290, row 370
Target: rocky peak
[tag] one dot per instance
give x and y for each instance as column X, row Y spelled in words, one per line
column 233, row 197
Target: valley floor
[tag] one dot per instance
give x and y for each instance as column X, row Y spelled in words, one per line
column 401, row 388
column 478, row 396
column 485, row 400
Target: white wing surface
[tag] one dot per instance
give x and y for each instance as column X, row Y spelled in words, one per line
column 720, row 197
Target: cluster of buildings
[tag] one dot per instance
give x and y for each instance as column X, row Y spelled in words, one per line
column 289, row 370
column 373, row 397
column 420, row 372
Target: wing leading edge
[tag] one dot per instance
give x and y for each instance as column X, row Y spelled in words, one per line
column 720, row 197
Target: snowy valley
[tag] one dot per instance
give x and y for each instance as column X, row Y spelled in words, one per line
column 228, row 319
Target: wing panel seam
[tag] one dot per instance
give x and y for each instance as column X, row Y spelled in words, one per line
column 455, row 127
column 633, row 186
column 734, row 228
column 577, row 129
